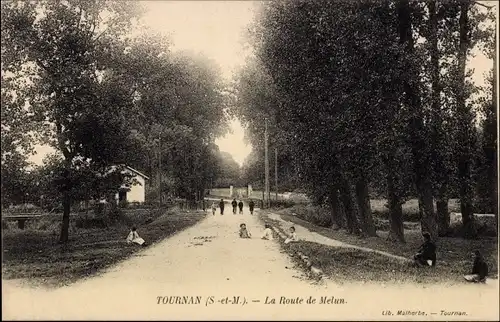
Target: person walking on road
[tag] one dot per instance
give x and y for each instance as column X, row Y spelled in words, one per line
column 251, row 205
column 234, row 204
column 214, row 208
column 221, row 206
column 240, row 205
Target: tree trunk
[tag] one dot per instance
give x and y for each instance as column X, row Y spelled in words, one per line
column 429, row 221
column 66, row 202
column 443, row 215
column 490, row 142
column 335, row 208
column 396, row 232
column 417, row 128
column 466, row 132
column 494, row 137
column 365, row 210
column 350, row 212
column 494, row 185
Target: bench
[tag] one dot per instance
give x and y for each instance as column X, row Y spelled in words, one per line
column 21, row 218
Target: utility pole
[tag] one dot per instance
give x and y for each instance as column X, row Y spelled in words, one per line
column 276, row 170
column 159, row 169
column 266, row 156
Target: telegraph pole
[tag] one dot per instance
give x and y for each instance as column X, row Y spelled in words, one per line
column 266, row 156
column 159, row 168
column 276, row 170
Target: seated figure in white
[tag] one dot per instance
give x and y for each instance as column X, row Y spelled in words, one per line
column 268, row 233
column 292, row 237
column 133, row 237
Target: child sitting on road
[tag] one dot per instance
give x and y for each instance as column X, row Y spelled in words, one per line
column 244, row 233
column 268, row 233
column 133, row 237
column 292, row 237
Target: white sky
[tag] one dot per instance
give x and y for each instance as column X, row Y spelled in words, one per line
column 215, row 29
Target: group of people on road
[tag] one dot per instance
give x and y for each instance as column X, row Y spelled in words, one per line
column 426, row 256
column 236, row 205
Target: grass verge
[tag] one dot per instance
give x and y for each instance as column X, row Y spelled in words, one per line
column 34, row 253
column 349, row 264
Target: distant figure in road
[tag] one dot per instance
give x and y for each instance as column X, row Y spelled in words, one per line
column 221, row 206
column 244, row 233
column 240, row 205
column 292, row 237
column 479, row 269
column 234, row 204
column 426, row 255
column 133, row 237
column 214, row 208
column 251, row 205
column 268, row 233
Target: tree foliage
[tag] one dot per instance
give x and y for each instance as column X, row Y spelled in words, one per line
column 369, row 97
column 103, row 99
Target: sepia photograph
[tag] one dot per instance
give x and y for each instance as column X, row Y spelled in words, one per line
column 249, row 160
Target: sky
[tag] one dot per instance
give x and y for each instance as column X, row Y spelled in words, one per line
column 216, row 30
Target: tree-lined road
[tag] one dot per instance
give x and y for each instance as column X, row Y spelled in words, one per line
column 209, row 259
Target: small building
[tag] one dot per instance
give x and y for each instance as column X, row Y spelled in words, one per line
column 136, row 192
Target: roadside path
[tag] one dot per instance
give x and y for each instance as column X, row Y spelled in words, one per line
column 306, row 234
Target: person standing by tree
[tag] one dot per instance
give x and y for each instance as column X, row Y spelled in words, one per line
column 251, row 205
column 234, row 204
column 240, row 205
column 221, row 206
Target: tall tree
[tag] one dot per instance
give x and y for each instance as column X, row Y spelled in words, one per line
column 80, row 102
column 349, row 114
column 412, row 100
column 465, row 119
column 439, row 137
column 17, row 123
column 488, row 185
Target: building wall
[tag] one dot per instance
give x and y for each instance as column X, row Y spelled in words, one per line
column 137, row 192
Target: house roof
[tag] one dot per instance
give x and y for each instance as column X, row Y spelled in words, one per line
column 138, row 172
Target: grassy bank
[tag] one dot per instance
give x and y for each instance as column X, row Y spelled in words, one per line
column 321, row 216
column 349, row 264
column 34, row 253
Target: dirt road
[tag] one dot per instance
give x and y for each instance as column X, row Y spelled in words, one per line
column 209, row 262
